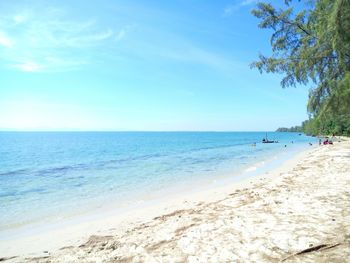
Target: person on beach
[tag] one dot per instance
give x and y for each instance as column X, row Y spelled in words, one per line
column 320, row 141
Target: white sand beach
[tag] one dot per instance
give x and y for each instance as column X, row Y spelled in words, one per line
column 299, row 212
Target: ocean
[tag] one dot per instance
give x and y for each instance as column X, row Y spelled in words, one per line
column 50, row 176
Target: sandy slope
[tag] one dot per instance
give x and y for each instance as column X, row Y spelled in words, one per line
column 299, row 215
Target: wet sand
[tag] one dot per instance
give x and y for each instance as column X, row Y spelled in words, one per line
column 299, row 212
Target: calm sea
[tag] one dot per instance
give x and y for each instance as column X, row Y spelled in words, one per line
column 47, row 176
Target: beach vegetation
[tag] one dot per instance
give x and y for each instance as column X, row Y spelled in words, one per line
column 311, row 46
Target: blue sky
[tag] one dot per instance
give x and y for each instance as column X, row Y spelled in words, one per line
column 138, row 65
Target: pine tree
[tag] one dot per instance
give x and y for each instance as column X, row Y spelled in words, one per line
column 312, row 45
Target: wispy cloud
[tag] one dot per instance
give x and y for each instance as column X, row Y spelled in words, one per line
column 232, row 8
column 200, row 56
column 49, row 40
column 167, row 47
column 249, row 2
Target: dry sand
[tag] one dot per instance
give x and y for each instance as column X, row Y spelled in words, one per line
column 297, row 213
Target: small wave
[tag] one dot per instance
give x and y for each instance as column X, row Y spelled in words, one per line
column 128, row 159
column 216, row 147
column 14, row 172
column 60, row 170
column 37, row 190
column 7, row 194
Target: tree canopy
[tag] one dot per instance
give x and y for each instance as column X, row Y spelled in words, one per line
column 312, row 46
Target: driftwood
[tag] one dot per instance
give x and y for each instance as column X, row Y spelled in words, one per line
column 4, row 259
column 312, row 249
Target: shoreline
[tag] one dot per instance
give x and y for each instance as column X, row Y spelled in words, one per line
column 76, row 230
column 220, row 178
column 128, row 185
column 135, row 231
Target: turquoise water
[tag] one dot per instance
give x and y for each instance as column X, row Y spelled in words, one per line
column 46, row 176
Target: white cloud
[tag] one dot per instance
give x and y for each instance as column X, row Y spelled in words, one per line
column 5, row 40
column 49, row 40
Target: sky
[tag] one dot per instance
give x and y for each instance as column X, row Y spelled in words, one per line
column 115, row 65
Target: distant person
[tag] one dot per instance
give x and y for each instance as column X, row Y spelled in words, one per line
column 333, row 137
column 285, row 145
column 310, row 143
column 320, row 141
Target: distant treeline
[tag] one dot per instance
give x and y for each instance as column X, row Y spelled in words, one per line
column 291, row 129
column 338, row 125
column 312, row 46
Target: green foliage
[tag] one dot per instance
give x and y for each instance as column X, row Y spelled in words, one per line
column 312, row 45
column 339, row 125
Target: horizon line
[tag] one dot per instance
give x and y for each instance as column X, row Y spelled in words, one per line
column 137, row 130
